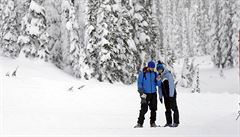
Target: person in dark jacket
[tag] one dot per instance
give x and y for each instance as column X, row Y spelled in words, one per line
column 147, row 89
column 167, row 90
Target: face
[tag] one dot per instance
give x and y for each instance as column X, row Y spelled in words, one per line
column 151, row 69
column 160, row 71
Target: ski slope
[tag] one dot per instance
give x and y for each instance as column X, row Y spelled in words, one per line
column 44, row 101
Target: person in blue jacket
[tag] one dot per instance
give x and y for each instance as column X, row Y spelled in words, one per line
column 147, row 84
column 167, row 90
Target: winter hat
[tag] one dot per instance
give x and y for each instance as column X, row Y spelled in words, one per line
column 160, row 66
column 151, row 64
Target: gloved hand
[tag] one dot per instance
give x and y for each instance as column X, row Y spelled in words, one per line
column 143, row 98
column 160, row 100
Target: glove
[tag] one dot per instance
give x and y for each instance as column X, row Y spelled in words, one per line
column 160, row 100
column 143, row 96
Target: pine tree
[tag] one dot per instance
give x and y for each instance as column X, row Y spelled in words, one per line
column 145, row 31
column 202, row 27
column 227, row 34
column 158, row 15
column 196, row 82
column 54, row 30
column 92, row 51
column 116, row 47
column 126, row 58
column 72, row 52
column 34, row 38
column 223, row 34
column 188, row 73
column 9, row 28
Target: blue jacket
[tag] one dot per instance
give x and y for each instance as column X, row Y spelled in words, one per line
column 166, row 76
column 147, row 82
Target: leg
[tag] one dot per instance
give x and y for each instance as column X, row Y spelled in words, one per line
column 153, row 108
column 175, row 110
column 168, row 112
column 142, row 112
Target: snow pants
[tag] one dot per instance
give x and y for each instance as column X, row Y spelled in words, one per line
column 152, row 104
column 171, row 105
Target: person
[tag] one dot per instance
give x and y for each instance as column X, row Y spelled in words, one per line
column 147, row 84
column 167, row 90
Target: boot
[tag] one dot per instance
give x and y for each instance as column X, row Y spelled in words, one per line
column 167, row 125
column 154, row 125
column 138, row 126
column 174, row 125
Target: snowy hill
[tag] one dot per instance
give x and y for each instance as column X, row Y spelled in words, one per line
column 44, row 101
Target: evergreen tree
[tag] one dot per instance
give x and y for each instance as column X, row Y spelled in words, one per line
column 72, row 52
column 34, row 38
column 116, row 47
column 145, row 31
column 223, row 33
column 188, row 73
column 158, row 15
column 196, row 82
column 202, row 27
column 9, row 28
column 92, row 51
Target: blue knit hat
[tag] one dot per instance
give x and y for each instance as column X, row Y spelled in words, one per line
column 160, row 66
column 151, row 64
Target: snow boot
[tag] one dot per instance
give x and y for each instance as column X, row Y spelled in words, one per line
column 138, row 126
column 174, row 125
column 154, row 125
column 167, row 125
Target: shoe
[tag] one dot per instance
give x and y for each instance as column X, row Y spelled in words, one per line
column 174, row 125
column 154, row 125
column 167, row 125
column 138, row 126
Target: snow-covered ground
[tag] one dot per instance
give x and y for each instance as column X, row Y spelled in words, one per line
column 39, row 102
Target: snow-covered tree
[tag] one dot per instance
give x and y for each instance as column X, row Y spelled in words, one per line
column 196, row 81
column 115, row 48
column 202, row 28
column 9, row 28
column 34, row 38
column 158, row 15
column 71, row 50
column 222, row 40
column 188, row 73
column 145, row 31
column 92, row 51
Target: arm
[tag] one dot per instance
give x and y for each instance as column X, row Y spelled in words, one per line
column 140, row 81
column 171, row 85
column 165, row 87
column 160, row 89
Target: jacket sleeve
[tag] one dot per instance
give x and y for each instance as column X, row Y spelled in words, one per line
column 158, row 82
column 171, row 85
column 140, row 81
column 165, row 87
column 160, row 89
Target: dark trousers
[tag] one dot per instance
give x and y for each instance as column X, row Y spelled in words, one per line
column 171, row 105
column 152, row 104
